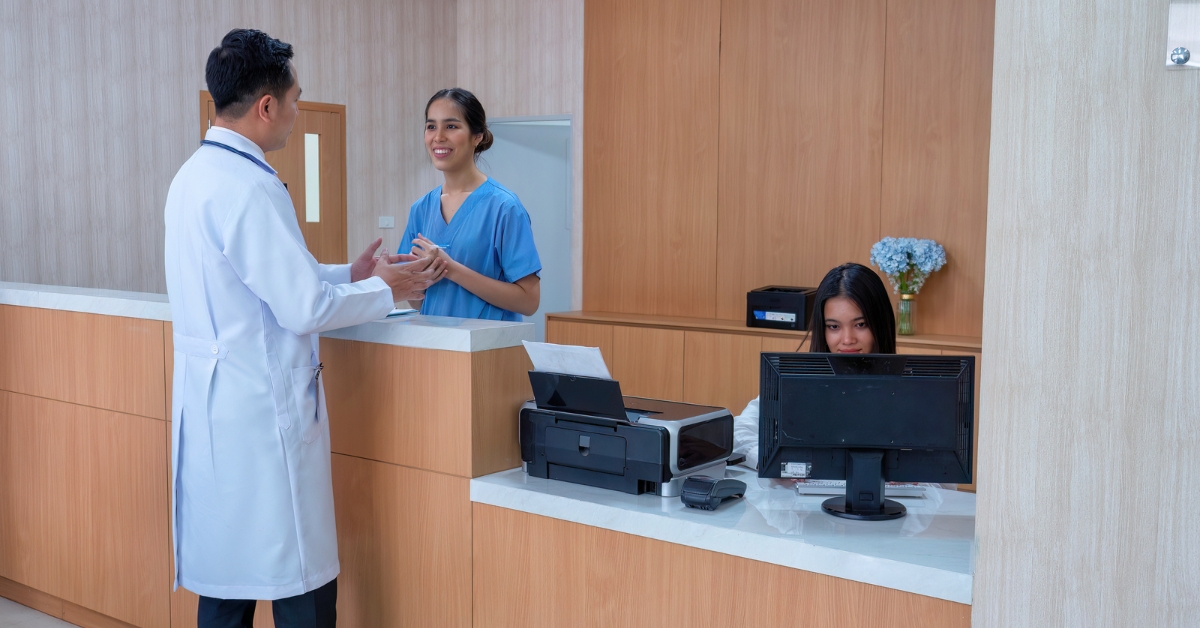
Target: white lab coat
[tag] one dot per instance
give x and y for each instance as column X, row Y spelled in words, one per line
column 253, row 497
column 745, row 434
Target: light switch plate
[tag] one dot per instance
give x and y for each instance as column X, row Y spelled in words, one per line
column 1183, row 31
column 387, row 222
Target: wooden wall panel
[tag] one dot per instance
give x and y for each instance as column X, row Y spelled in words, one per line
column 1091, row 390
column 97, row 193
column 783, row 345
column 499, row 385
column 84, row 516
column 801, row 137
column 404, row 541
column 937, row 125
column 648, row 362
column 398, row 404
column 651, row 91
column 104, row 362
column 582, row 334
column 537, row 571
column 721, row 369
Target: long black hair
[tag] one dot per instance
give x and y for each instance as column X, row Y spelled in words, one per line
column 861, row 285
column 472, row 111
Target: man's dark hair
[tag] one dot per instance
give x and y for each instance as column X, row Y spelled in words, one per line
column 247, row 64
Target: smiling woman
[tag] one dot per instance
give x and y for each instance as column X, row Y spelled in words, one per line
column 851, row 314
column 476, row 225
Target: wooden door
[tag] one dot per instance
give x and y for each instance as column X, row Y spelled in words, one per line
column 324, row 227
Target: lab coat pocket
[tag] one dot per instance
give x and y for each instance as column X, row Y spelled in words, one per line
column 306, row 385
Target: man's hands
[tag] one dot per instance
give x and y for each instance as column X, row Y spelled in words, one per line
column 407, row 275
column 365, row 264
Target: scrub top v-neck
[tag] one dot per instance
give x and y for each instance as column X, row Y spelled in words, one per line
column 490, row 233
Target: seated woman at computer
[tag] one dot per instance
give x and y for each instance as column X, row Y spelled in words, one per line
column 851, row 314
column 477, row 225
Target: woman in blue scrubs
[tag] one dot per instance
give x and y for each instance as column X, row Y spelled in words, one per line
column 477, row 225
column 851, row 314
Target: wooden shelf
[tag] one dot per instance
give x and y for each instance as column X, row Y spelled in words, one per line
column 716, row 325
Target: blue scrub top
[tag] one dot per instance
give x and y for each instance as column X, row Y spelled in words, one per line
column 491, row 234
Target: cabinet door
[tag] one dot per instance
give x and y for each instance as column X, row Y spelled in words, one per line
column 720, row 369
column 772, row 344
column 916, row 350
column 648, row 362
column 584, row 335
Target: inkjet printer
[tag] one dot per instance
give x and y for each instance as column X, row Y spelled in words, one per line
column 582, row 430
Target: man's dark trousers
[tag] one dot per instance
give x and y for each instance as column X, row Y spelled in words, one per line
column 315, row 609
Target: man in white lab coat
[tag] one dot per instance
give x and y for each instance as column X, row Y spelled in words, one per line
column 253, row 498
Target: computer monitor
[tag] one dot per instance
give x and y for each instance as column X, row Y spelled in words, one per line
column 866, row 419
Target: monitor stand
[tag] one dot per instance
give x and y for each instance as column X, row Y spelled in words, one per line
column 864, row 490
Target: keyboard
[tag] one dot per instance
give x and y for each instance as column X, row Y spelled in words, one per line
column 838, row 487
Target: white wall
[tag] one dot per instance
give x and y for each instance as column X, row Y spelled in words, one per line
column 101, row 107
column 525, row 58
column 1090, row 415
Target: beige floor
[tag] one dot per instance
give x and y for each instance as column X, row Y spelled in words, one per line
column 13, row 615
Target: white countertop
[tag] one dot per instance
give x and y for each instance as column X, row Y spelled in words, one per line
column 422, row 332
column 148, row 305
column 928, row 552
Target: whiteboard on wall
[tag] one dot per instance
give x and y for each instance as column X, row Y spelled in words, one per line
column 532, row 158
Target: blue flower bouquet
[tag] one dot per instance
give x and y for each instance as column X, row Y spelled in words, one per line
column 907, row 262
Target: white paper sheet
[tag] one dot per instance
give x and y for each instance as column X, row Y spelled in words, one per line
column 567, row 359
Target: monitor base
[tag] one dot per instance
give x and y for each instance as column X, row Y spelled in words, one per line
column 837, row 507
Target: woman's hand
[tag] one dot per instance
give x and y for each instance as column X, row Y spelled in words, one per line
column 424, row 248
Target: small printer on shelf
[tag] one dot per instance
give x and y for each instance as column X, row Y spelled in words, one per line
column 582, row 430
column 780, row 307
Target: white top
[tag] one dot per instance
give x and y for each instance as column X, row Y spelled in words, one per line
column 928, row 552
column 422, row 332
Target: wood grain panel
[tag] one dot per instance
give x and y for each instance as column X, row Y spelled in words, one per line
column 105, row 362
column 771, row 344
column 966, row 343
column 650, row 177
column 1091, row 390
column 103, row 199
column 801, row 138
column 582, row 334
column 404, row 541
column 499, row 385
column 648, row 362
column 937, row 126
column 720, row 369
column 27, row 596
column 911, row 350
column 84, row 501
column 88, row 618
column 400, row 405
column 536, row 571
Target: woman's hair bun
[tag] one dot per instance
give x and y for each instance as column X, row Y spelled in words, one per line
column 486, row 142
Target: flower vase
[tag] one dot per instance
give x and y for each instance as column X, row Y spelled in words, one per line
column 904, row 322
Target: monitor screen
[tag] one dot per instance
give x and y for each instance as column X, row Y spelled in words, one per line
column 916, row 412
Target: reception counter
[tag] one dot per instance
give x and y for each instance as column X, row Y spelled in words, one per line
column 553, row 553
column 437, row 525
column 418, row 406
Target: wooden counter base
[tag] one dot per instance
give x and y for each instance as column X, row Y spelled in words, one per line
column 536, row 571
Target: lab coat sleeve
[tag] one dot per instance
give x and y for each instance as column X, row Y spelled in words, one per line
column 334, row 273
column 273, row 263
column 745, row 434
